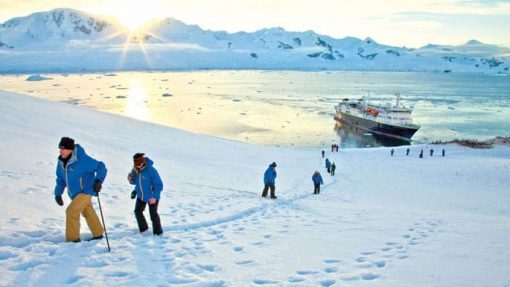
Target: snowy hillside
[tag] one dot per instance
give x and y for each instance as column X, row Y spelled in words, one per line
column 69, row 40
column 380, row 221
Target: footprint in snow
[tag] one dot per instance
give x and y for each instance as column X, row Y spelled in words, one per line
column 329, row 261
column 330, row 269
column 208, row 267
column 361, row 259
column 73, row 279
column 379, row 263
column 4, row 255
column 245, row 262
column 26, row 265
column 327, row 283
column 369, row 276
column 264, row 281
column 306, row 272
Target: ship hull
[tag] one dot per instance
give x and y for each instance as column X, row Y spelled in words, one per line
column 404, row 133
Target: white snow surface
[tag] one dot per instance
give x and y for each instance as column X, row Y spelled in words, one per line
column 380, row 221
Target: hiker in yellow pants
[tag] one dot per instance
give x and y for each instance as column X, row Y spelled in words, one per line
column 83, row 176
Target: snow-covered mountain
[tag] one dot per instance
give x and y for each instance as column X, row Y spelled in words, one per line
column 82, row 42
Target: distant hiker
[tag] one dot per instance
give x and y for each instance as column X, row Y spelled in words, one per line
column 333, row 168
column 269, row 180
column 407, row 151
column 332, row 148
column 336, row 147
column 148, row 187
column 322, row 152
column 328, row 165
column 431, row 152
column 421, row 153
column 443, row 153
column 83, row 177
column 317, row 181
column 392, row 152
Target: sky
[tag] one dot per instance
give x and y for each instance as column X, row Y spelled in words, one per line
column 410, row 23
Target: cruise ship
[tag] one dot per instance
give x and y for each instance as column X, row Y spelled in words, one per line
column 387, row 120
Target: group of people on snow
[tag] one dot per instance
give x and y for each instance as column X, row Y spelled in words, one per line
column 83, row 176
column 420, row 155
column 330, row 167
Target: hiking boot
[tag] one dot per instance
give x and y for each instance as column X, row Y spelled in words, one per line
column 274, row 197
column 76, row 240
column 97, row 237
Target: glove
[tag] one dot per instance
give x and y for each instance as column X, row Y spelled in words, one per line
column 58, row 199
column 133, row 194
column 97, row 185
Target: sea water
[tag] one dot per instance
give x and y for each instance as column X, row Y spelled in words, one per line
column 285, row 108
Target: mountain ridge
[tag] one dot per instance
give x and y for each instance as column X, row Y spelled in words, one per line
column 74, row 35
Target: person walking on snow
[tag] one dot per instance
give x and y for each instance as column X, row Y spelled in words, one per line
column 328, row 165
column 269, row 180
column 392, row 152
column 333, row 168
column 83, row 177
column 431, row 152
column 322, row 152
column 148, row 187
column 317, row 181
column 421, row 153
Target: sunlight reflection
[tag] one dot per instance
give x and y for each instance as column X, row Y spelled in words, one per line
column 135, row 42
column 136, row 106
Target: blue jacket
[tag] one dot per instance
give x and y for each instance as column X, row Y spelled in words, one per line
column 317, row 179
column 147, row 182
column 328, row 163
column 79, row 174
column 269, row 175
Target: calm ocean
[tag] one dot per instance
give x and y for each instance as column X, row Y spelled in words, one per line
column 285, row 108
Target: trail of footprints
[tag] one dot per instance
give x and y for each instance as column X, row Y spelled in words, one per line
column 368, row 266
column 371, row 263
column 180, row 249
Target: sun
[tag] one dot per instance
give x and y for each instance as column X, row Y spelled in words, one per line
column 135, row 14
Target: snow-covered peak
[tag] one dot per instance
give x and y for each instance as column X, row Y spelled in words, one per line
column 474, row 42
column 52, row 27
column 82, row 35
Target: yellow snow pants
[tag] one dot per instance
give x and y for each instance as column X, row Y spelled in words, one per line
column 81, row 204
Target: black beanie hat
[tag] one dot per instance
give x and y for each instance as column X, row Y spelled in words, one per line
column 66, row 143
column 137, row 155
column 138, row 158
column 273, row 164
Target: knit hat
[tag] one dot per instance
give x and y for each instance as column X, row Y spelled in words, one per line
column 138, row 158
column 66, row 143
column 273, row 164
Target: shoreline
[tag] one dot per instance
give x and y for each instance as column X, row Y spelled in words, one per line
column 289, row 109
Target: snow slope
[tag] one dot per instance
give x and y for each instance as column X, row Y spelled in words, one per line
column 65, row 40
column 381, row 221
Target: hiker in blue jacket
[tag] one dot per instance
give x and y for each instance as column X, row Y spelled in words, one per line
column 83, row 177
column 317, row 181
column 269, row 180
column 148, row 187
column 328, row 165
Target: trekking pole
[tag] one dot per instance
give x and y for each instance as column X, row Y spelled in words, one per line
column 104, row 225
